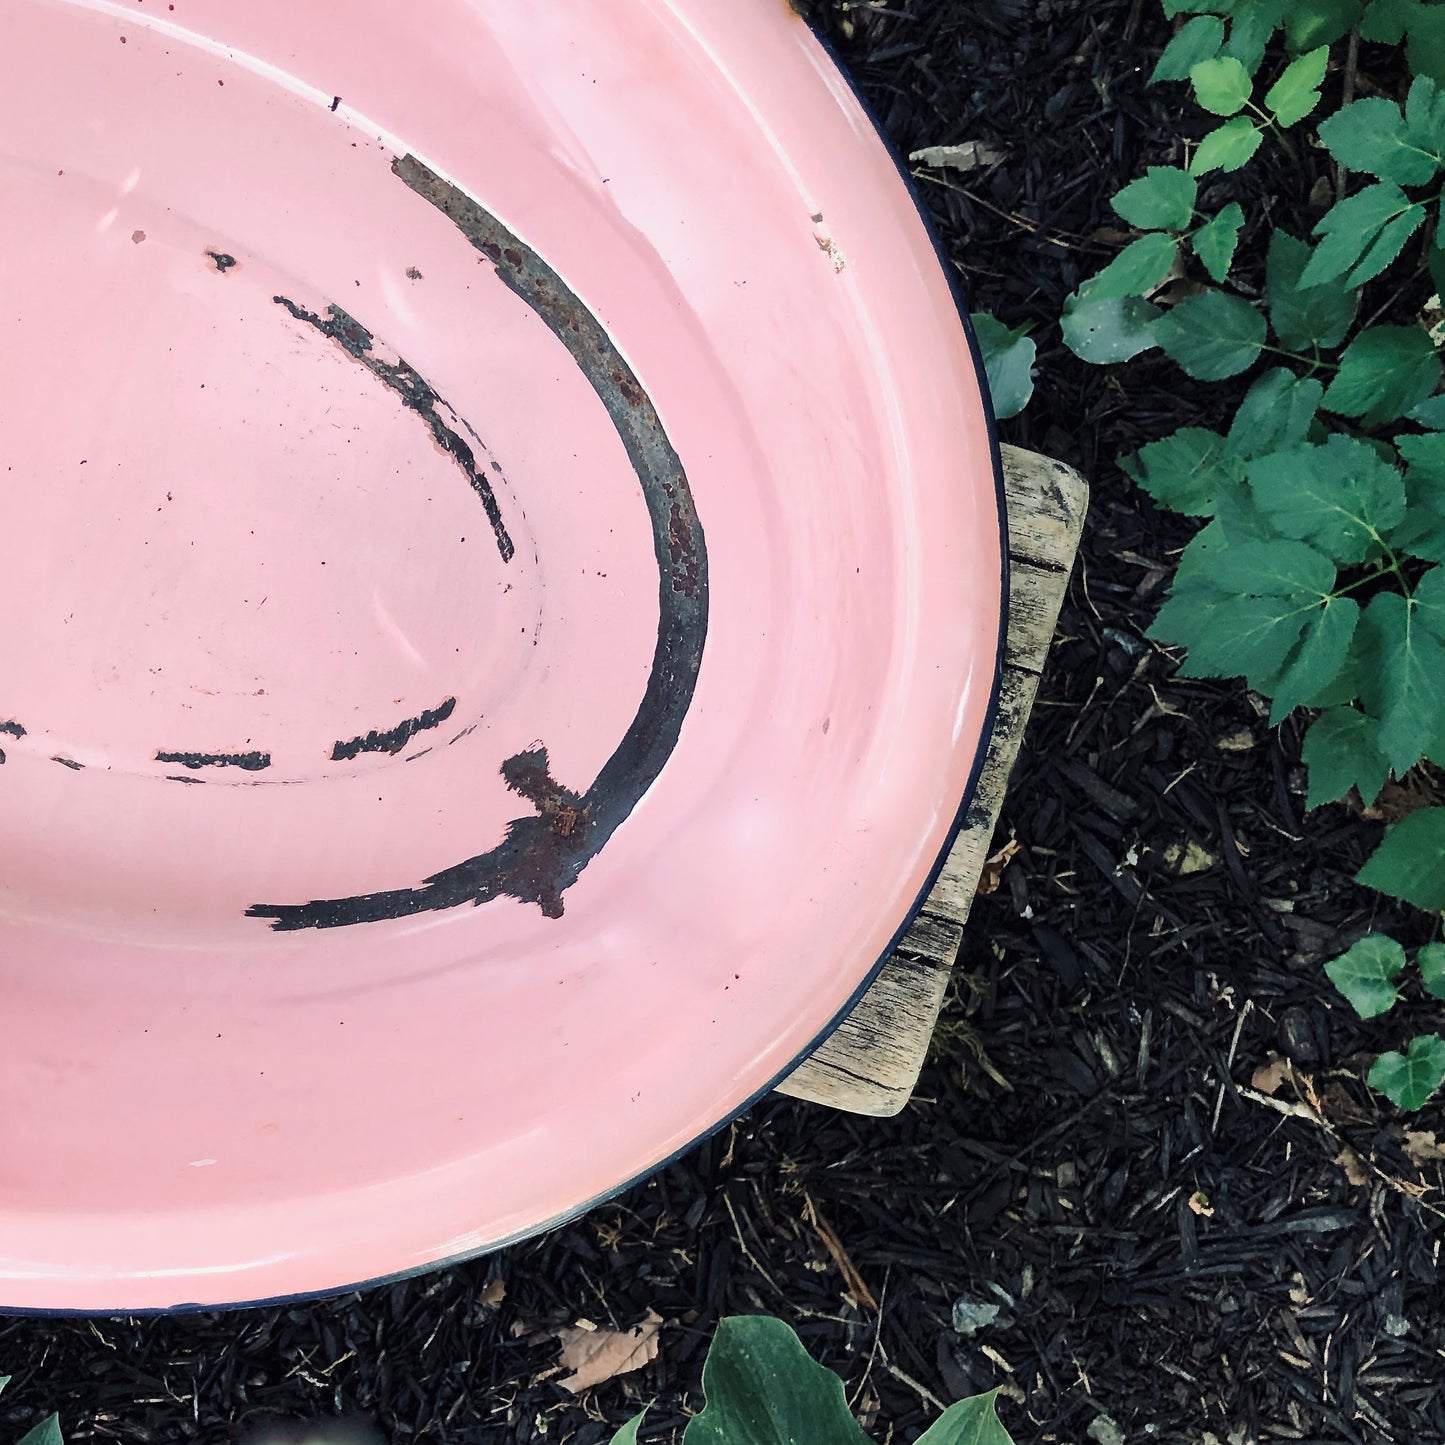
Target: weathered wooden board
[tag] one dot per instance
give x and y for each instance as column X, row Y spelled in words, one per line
column 871, row 1061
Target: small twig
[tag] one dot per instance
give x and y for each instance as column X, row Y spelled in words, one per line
column 1352, row 56
column 922, row 1391
column 877, row 1336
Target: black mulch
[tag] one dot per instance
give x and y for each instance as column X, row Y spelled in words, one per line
column 1176, row 1259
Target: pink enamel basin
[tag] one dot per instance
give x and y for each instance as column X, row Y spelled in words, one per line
column 501, row 566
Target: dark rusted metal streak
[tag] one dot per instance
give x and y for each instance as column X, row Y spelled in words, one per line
column 12, row 729
column 394, row 739
column 398, row 376
column 250, row 762
column 67, row 763
column 543, row 854
column 223, row 260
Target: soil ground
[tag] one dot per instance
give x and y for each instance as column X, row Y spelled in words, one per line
column 1179, row 1257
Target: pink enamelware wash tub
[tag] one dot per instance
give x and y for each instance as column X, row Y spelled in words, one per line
column 501, row 570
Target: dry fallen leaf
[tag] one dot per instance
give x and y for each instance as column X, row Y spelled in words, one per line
column 1199, row 1203
column 1270, row 1075
column 988, row 879
column 594, row 1355
column 966, row 157
column 493, row 1292
column 1423, row 1147
column 1353, row 1165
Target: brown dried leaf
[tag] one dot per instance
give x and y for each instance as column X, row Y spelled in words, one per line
column 988, row 879
column 594, row 1355
column 1199, row 1203
column 1269, row 1076
column 1353, row 1166
column 1423, row 1147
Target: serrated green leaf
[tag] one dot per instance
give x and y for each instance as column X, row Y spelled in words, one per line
column 1008, row 360
column 1384, row 372
column 1275, row 414
column 1349, row 227
column 761, row 1387
column 1221, row 86
column 1138, row 268
column 1428, row 596
column 1425, row 42
column 1212, row 335
column 1386, row 246
column 1420, row 534
column 1431, row 959
column 1296, row 93
column 1367, row 974
column 1187, row 470
column 1410, row 863
column 1214, row 242
column 1403, row 682
column 1339, row 496
column 969, row 1422
column 1250, row 30
column 1109, row 329
column 1341, row 752
column 1371, row 136
column 1304, row 316
column 1319, row 659
column 1425, row 116
column 1197, row 39
column 1161, row 199
column 1227, row 147
column 1384, row 21
column 1308, row 23
column 1407, row 1080
column 1244, row 617
column 1424, row 456
column 1430, row 413
column 47, row 1432
column 627, row 1435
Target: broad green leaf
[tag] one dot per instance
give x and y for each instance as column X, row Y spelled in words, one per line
column 1428, row 596
column 1186, row 471
column 1138, row 268
column 1198, row 39
column 1384, row 372
column 1367, row 974
column 1420, row 534
column 1296, row 93
column 1410, row 863
column 1308, row 23
column 1212, row 335
column 1339, row 496
column 1384, row 20
column 1425, row 116
column 1008, row 359
column 1321, row 656
column 1404, row 678
column 1161, row 199
column 1430, row 413
column 1275, row 414
column 1227, row 147
column 1221, row 85
column 627, row 1435
column 1408, row 1079
column 1304, row 316
column 1215, row 241
column 1245, row 615
column 1110, row 329
column 763, row 1388
column 1425, row 42
column 47, row 1432
column 1341, row 752
column 1425, row 467
column 1371, row 136
column 1250, row 30
column 1383, row 250
column 969, row 1422
column 1275, row 568
column 1349, row 226
column 1431, row 959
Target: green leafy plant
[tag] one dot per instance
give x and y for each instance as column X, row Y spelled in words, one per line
column 47, row 1432
column 1318, row 574
column 761, row 1387
column 1008, row 362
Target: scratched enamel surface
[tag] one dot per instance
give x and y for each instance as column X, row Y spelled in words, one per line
column 520, row 590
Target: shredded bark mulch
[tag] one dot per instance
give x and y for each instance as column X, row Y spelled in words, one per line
column 1183, row 1243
